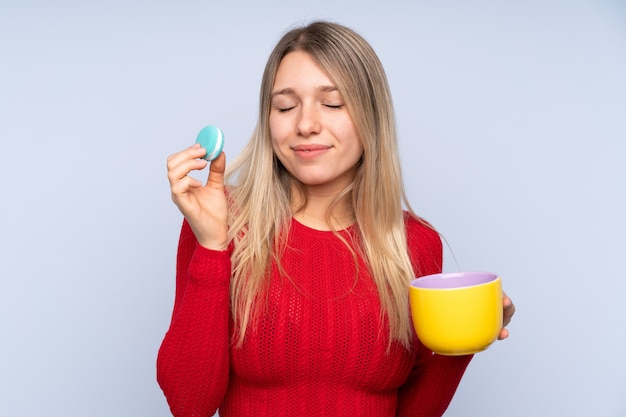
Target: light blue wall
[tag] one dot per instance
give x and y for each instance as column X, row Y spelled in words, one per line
column 512, row 118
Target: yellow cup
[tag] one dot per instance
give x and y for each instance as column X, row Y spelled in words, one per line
column 457, row 313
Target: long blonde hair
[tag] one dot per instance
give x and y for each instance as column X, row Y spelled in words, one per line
column 260, row 190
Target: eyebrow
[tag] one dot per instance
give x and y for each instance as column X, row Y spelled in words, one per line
column 290, row 91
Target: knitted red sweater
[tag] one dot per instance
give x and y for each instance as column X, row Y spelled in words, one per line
column 320, row 348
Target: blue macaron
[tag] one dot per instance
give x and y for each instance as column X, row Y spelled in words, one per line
column 211, row 138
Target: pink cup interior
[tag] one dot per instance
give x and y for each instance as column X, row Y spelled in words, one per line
column 453, row 280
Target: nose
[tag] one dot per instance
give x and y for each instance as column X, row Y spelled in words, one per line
column 309, row 122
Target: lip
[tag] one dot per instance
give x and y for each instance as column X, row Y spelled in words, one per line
column 310, row 151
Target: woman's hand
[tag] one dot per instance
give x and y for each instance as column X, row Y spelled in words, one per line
column 204, row 206
column 508, row 309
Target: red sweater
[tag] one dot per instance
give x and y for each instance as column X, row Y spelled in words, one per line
column 320, row 348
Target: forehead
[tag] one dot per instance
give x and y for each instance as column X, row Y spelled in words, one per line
column 300, row 69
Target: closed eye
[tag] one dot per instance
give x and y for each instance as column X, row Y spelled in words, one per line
column 334, row 106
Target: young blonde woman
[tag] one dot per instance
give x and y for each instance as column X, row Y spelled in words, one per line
column 293, row 266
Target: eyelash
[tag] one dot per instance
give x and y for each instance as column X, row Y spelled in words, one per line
column 330, row 106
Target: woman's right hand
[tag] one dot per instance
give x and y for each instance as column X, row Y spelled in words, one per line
column 204, row 206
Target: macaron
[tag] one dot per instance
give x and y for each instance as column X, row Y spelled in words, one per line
column 211, row 138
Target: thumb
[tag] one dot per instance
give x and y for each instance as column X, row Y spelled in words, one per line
column 216, row 172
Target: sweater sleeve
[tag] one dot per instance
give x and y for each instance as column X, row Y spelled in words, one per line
column 434, row 378
column 429, row 389
column 193, row 360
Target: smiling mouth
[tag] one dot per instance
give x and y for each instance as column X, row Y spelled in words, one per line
column 310, row 148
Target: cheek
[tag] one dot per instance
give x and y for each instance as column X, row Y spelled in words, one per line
column 346, row 129
column 276, row 130
column 354, row 139
column 273, row 133
column 275, row 136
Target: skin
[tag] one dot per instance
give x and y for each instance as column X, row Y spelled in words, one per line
column 314, row 137
column 507, row 315
column 204, row 206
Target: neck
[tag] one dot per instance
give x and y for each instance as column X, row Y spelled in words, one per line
column 320, row 213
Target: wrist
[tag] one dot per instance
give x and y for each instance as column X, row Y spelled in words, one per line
column 215, row 245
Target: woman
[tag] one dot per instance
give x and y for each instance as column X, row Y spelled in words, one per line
column 292, row 279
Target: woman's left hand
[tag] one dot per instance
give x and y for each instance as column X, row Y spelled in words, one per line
column 508, row 309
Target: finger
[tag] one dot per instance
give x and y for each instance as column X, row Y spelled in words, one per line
column 189, row 154
column 216, row 172
column 192, row 152
column 504, row 333
column 183, row 185
column 180, row 168
column 508, row 311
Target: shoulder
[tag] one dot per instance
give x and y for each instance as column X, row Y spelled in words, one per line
column 424, row 245
column 420, row 231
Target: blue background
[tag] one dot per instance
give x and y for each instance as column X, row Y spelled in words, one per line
column 512, row 121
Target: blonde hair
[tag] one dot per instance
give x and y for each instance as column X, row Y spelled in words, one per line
column 261, row 191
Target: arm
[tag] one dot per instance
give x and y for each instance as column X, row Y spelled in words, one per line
column 434, row 378
column 193, row 361
column 431, row 384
